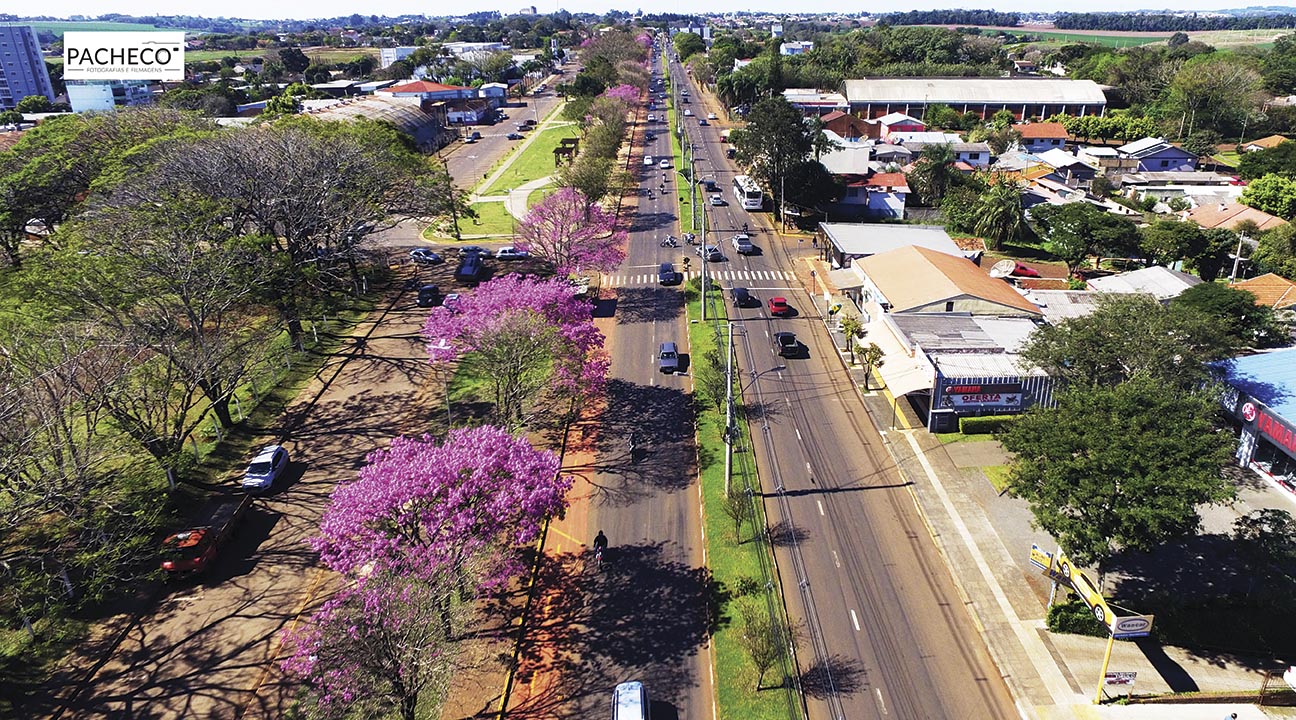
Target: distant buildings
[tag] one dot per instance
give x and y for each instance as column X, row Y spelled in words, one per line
column 1023, row 97
column 22, row 68
column 103, row 95
column 796, row 47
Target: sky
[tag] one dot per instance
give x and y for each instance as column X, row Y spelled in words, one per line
column 306, row 9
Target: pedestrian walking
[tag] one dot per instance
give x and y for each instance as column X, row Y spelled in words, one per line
column 814, row 241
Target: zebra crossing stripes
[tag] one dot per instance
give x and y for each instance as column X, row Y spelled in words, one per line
column 631, row 279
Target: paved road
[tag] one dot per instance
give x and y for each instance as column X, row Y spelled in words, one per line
column 890, row 636
column 204, row 651
column 469, row 164
column 645, row 618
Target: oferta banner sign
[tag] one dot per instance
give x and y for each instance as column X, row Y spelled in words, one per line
column 123, row 55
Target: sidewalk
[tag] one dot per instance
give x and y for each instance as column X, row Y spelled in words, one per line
column 986, row 540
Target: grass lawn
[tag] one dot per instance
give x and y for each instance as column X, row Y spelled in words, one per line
column 492, row 219
column 540, row 194
column 1107, row 40
column 535, row 162
column 739, row 568
column 998, row 476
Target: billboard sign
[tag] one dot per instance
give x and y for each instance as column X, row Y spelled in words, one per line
column 1131, row 626
column 982, row 395
column 1041, row 558
column 123, row 55
column 1085, row 587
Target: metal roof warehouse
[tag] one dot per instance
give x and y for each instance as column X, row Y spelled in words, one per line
column 1024, row 97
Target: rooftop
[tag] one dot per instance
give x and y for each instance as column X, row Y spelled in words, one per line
column 1228, row 215
column 1042, row 130
column 423, row 86
column 915, row 276
column 1157, row 281
column 1269, row 289
column 1268, row 377
column 872, row 238
column 1059, row 305
column 962, row 332
column 957, row 91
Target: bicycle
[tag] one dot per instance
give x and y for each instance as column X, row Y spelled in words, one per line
column 598, row 559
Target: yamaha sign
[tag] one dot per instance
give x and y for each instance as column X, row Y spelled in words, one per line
column 123, row 55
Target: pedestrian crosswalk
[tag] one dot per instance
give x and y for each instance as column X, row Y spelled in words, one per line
column 735, row 277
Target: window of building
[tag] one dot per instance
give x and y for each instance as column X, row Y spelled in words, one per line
column 949, row 306
column 1165, row 163
column 974, row 156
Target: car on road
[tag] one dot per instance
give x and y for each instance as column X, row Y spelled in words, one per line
column 779, row 306
column 710, row 252
column 648, row 160
column 470, row 140
column 265, row 468
column 668, row 357
column 742, row 297
column 687, row 112
column 786, row 344
column 742, row 244
column 503, row 116
column 473, row 250
column 428, row 295
column 649, row 136
column 514, row 136
column 664, row 164
column 703, row 122
column 718, row 200
column 652, row 117
column 511, row 253
column 425, row 256
column 666, row 275
column 711, row 116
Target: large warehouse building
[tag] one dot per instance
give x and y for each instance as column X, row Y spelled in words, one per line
column 1024, row 97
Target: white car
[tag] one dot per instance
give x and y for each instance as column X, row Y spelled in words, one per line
column 648, row 161
column 664, row 164
column 688, row 113
column 711, row 116
column 652, row 117
column 265, row 468
column 511, row 253
column 718, row 200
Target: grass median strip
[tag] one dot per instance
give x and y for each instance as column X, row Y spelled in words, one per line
column 535, row 162
column 740, row 560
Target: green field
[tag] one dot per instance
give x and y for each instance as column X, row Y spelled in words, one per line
column 58, row 28
column 319, row 55
column 535, row 162
column 1107, row 40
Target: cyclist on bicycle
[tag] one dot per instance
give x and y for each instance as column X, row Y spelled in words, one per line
column 600, row 546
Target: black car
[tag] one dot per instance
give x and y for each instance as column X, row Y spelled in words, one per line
column 787, row 344
column 425, row 256
column 471, row 268
column 428, row 295
column 742, row 297
column 666, row 275
column 514, row 136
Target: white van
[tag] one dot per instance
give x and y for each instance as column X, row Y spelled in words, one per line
column 630, row 702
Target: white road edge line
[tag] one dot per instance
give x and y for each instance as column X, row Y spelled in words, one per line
column 881, row 701
column 820, row 504
column 855, row 620
column 836, row 560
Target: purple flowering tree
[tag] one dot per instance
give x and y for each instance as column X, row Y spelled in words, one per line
column 375, row 646
column 572, row 234
column 628, row 94
column 524, row 337
column 459, row 507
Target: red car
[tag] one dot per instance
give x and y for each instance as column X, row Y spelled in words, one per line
column 778, row 306
column 1025, row 271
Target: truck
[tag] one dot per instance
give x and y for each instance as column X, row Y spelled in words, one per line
column 193, row 550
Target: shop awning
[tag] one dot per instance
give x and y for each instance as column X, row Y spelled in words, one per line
column 903, row 374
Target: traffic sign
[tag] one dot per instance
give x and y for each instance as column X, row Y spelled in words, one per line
column 1120, row 678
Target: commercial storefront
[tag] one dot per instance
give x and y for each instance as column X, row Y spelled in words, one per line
column 1261, row 397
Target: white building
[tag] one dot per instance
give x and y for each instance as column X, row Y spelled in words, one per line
column 796, row 47
column 387, row 56
column 105, row 95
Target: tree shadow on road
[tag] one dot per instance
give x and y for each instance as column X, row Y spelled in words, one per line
column 648, row 305
column 835, row 675
column 645, row 437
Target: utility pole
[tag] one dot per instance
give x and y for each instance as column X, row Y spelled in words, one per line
column 729, row 412
column 1237, row 257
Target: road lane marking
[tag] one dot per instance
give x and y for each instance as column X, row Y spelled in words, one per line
column 556, row 531
column 881, row 701
column 820, row 504
column 798, row 433
column 836, row 560
column 855, row 620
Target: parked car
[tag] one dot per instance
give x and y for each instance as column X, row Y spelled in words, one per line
column 511, row 253
column 779, row 306
column 192, row 550
column 687, row 112
column 473, row 250
column 425, row 256
column 474, row 135
column 470, row 140
column 1025, row 270
column 514, row 136
column 718, row 200
column 703, row 122
column 652, row 117
column 710, row 252
column 786, row 344
column 742, row 297
column 265, row 468
column 667, row 357
column 711, row 116
column 470, row 269
column 428, row 295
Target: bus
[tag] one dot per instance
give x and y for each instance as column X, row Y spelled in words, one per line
column 748, row 193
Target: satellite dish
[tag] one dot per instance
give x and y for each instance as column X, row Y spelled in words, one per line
column 1003, row 268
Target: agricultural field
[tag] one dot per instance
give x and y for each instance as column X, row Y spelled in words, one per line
column 58, row 28
column 323, row 55
column 1117, row 38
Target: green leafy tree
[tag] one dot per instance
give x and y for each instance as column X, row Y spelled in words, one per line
column 1126, row 337
column 1215, row 254
column 1167, row 241
column 1277, row 160
column 1236, row 313
column 871, row 357
column 1120, row 467
column 293, row 60
column 1075, row 231
column 1002, row 119
column 35, row 104
column 809, row 184
column 851, row 327
column 777, row 138
column 1266, row 538
column 1203, row 143
column 1215, row 87
column 8, row 117
column 999, row 213
column 688, row 44
column 1276, row 251
column 1273, row 194
column 933, row 174
column 737, row 507
column 959, row 208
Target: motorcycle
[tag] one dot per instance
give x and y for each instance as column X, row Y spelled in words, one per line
column 669, row 242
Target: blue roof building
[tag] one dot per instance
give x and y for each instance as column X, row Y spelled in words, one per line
column 1261, row 397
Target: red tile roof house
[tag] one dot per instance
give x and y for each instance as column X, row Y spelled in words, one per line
column 428, row 90
column 851, row 128
column 1042, row 136
column 1270, row 290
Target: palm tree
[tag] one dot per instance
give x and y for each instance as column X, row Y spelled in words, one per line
column 934, row 173
column 999, row 212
